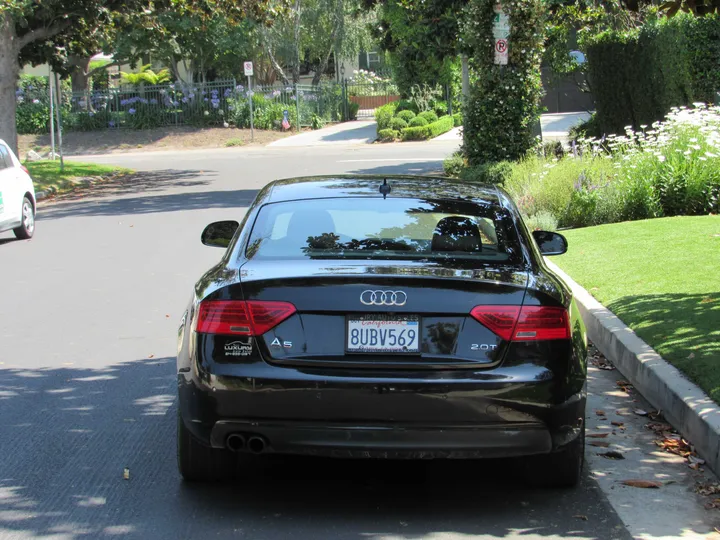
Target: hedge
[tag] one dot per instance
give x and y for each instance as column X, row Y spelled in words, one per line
column 639, row 75
column 457, row 119
column 388, row 135
column 430, row 131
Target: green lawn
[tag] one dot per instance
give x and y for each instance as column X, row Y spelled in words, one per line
column 47, row 173
column 662, row 278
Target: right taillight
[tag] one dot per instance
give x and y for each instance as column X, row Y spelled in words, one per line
column 241, row 318
column 527, row 323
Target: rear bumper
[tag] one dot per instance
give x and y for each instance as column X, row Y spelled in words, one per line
column 398, row 442
column 506, row 412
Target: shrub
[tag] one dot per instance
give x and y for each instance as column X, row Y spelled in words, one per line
column 235, row 141
column 457, row 119
column 454, row 165
column 430, row 131
column 440, row 108
column 542, row 221
column 398, row 124
column 353, row 109
column 429, row 116
column 418, row 121
column 388, row 135
column 384, row 115
column 406, row 115
column 407, row 105
column 414, row 134
column 316, row 122
column 671, row 170
column 488, row 173
column 443, row 125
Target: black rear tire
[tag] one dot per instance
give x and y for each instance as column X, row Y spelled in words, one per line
column 561, row 469
column 27, row 228
column 200, row 463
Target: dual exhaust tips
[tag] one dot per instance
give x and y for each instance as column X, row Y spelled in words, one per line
column 237, row 442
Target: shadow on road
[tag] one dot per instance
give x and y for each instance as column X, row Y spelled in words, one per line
column 67, row 434
column 173, row 202
column 112, row 198
column 425, row 168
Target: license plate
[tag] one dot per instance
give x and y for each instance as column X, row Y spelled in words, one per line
column 379, row 334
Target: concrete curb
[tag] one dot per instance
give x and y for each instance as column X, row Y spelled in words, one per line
column 683, row 404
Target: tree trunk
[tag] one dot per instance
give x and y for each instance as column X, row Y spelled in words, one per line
column 296, row 64
column 322, row 67
column 9, row 71
column 80, row 75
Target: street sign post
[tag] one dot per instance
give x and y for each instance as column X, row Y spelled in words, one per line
column 501, row 35
column 248, row 67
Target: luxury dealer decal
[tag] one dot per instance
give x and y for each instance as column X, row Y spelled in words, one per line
column 239, row 348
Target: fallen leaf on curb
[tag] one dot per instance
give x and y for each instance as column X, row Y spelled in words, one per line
column 126, row 473
column 640, row 412
column 675, row 445
column 600, row 412
column 151, row 356
column 646, row 484
column 580, row 516
column 599, row 444
column 612, row 454
column 659, row 427
column 596, row 435
column 708, row 488
column 618, row 424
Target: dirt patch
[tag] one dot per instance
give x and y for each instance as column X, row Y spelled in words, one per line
column 125, row 140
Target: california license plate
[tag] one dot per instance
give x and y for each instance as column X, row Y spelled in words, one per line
column 383, row 334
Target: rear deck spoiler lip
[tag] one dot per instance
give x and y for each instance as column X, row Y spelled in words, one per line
column 252, row 271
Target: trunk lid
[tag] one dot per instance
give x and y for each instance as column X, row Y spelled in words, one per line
column 349, row 313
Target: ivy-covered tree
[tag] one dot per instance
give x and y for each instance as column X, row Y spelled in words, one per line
column 37, row 32
column 504, row 102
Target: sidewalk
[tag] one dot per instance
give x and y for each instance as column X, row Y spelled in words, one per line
column 357, row 132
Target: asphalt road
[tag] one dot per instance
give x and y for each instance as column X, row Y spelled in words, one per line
column 88, row 316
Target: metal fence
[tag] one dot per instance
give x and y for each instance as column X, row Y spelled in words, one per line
column 220, row 103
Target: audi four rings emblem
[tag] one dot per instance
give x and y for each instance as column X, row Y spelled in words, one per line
column 383, row 298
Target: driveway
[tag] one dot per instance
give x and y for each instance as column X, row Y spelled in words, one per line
column 90, row 310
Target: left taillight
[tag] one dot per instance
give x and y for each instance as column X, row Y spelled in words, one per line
column 526, row 323
column 241, row 318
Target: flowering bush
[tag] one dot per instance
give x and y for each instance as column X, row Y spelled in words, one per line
column 366, row 83
column 667, row 169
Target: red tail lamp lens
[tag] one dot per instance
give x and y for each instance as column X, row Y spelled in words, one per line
column 240, row 318
column 529, row 323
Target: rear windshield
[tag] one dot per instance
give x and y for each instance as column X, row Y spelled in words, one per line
column 394, row 228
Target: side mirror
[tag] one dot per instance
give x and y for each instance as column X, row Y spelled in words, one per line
column 219, row 234
column 550, row 243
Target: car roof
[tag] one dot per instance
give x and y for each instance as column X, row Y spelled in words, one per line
column 404, row 186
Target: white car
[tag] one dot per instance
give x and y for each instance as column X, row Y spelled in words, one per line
column 17, row 195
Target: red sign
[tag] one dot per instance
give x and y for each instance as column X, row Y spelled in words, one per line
column 501, row 45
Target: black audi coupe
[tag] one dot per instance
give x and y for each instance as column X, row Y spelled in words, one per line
column 388, row 317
